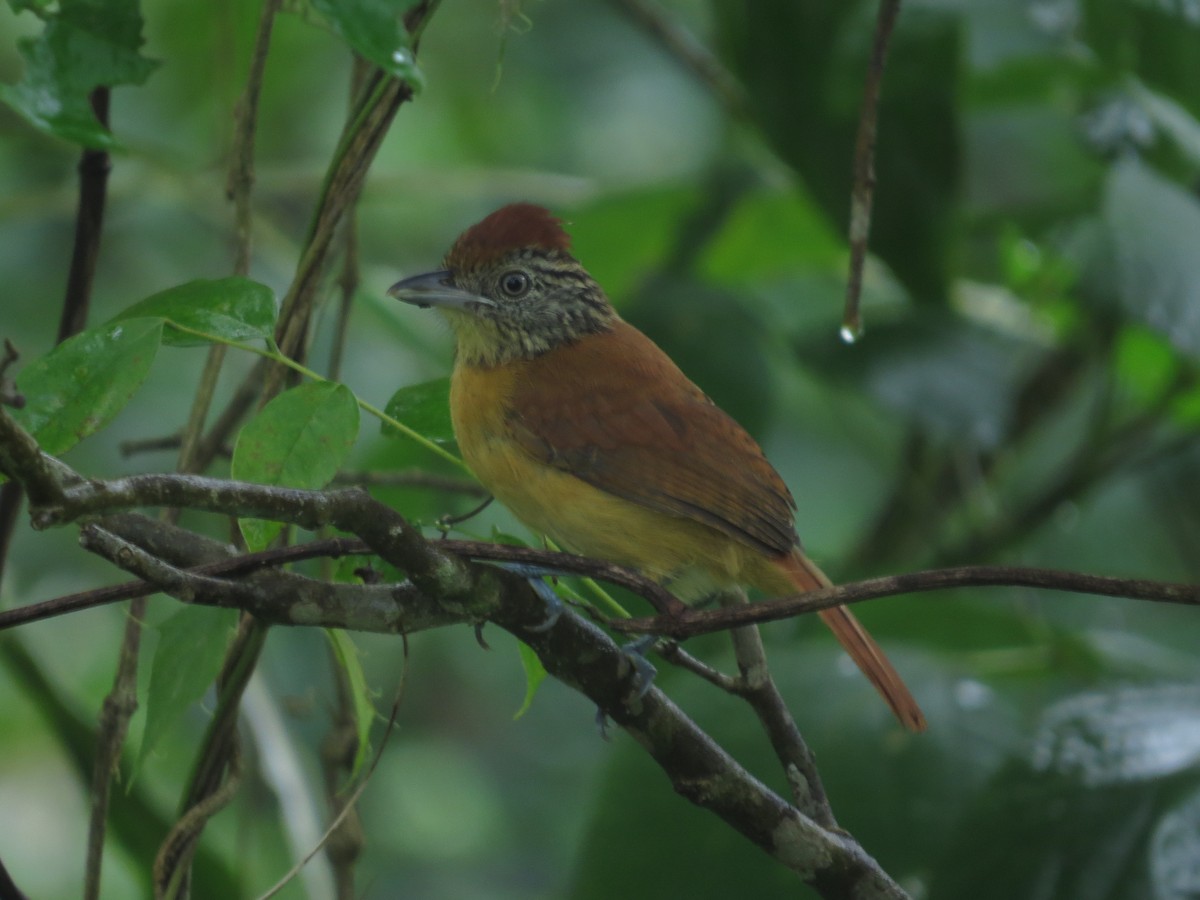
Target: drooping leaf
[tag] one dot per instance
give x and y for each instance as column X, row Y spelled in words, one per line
column 191, row 645
column 77, row 388
column 363, row 704
column 425, row 408
column 535, row 674
column 299, row 440
column 85, row 44
column 374, row 29
column 235, row 309
column 1155, row 231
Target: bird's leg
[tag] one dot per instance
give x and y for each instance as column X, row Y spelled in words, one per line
column 643, row 670
column 535, row 575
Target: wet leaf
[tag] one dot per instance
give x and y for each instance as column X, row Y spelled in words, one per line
column 425, row 408
column 236, row 309
column 376, row 32
column 80, row 386
column 298, row 440
column 85, row 44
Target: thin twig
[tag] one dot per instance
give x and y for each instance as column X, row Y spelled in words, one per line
column 240, row 182
column 703, row 621
column 863, row 192
column 412, row 478
column 759, row 690
column 349, row 277
column 683, row 46
column 9, row 395
column 346, row 809
column 170, row 876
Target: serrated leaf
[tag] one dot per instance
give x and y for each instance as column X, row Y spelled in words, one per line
column 535, row 674
column 85, row 45
column 235, row 309
column 78, row 387
column 425, row 408
column 298, row 440
column 363, row 707
column 375, row 30
column 1155, row 227
column 191, row 646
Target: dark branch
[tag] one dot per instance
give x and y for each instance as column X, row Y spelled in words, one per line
column 703, row 621
column 863, row 195
column 94, row 166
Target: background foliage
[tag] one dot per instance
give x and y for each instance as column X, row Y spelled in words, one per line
column 1026, row 392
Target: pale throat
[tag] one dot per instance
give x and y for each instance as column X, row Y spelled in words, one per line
column 487, row 343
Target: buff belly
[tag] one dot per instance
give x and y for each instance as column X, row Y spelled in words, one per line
column 690, row 557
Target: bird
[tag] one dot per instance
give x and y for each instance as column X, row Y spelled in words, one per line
column 589, row 433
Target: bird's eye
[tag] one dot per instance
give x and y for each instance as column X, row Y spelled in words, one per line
column 515, row 283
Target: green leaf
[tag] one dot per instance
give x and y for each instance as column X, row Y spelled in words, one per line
column 363, row 707
column 191, row 645
column 77, row 388
column 769, row 235
column 375, row 30
column 298, row 440
column 535, row 674
column 85, row 45
column 1078, row 818
column 425, row 408
column 1155, row 229
column 235, row 309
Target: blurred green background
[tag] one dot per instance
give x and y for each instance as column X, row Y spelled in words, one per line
column 1026, row 392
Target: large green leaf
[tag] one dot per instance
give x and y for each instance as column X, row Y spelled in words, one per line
column 373, row 28
column 299, row 440
column 191, row 645
column 1093, row 809
column 85, row 44
column 425, row 408
column 77, row 388
column 1155, row 231
column 235, row 309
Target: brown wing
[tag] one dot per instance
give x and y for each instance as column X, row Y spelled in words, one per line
column 614, row 411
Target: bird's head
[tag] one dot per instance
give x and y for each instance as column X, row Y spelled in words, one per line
column 511, row 289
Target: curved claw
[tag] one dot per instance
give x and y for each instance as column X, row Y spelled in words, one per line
column 643, row 669
column 602, row 723
column 554, row 604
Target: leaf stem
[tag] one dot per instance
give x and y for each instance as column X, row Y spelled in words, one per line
column 273, row 353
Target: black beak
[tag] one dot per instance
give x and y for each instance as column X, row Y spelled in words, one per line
column 435, row 289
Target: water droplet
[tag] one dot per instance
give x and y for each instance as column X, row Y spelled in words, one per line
column 402, row 57
column 849, row 335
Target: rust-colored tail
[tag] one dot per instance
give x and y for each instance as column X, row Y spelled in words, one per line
column 862, row 648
